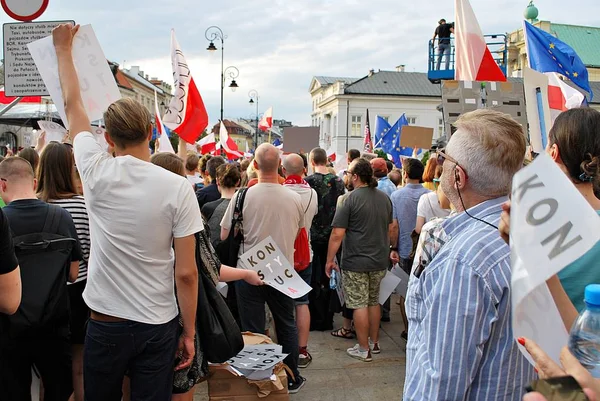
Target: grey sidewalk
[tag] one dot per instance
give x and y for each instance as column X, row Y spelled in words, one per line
column 333, row 375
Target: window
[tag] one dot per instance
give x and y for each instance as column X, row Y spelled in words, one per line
column 440, row 127
column 412, row 120
column 356, row 127
column 334, row 126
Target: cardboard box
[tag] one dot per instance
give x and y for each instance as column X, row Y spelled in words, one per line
column 223, row 385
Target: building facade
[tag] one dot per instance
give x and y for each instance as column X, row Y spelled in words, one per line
column 144, row 88
column 339, row 105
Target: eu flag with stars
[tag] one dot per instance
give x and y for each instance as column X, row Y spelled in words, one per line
column 381, row 128
column 548, row 54
column 390, row 142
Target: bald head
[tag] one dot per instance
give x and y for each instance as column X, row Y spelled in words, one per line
column 293, row 165
column 267, row 158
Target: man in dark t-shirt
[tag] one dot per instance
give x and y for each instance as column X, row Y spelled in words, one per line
column 47, row 347
column 210, row 192
column 10, row 277
column 443, row 32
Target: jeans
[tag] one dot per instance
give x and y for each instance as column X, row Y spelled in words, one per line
column 251, row 304
column 50, row 351
column 145, row 352
column 443, row 49
column 305, row 275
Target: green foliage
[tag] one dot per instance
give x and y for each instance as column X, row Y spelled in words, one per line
column 174, row 138
column 381, row 153
column 426, row 157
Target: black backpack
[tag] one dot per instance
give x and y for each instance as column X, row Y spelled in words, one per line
column 44, row 261
column 228, row 250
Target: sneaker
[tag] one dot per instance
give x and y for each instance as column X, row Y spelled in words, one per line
column 374, row 347
column 356, row 353
column 304, row 359
column 295, row 386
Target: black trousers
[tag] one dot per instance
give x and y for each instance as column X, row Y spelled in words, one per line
column 321, row 296
column 50, row 352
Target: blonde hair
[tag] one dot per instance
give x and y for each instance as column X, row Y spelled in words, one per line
column 169, row 161
column 490, row 146
column 128, row 122
column 251, row 172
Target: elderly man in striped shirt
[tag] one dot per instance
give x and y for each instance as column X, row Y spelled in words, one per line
column 460, row 344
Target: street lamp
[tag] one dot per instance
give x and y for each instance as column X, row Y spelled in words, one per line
column 253, row 94
column 212, row 34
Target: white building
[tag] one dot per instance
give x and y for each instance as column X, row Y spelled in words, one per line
column 339, row 105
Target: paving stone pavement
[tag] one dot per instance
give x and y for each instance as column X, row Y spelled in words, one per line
column 334, row 376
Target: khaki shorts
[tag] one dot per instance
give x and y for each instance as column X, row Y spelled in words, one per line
column 361, row 289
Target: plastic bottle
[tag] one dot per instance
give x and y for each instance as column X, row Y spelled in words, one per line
column 584, row 340
column 333, row 280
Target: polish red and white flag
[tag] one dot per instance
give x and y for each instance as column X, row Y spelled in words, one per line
column 561, row 96
column 164, row 144
column 186, row 114
column 228, row 144
column 474, row 61
column 207, row 144
column 266, row 122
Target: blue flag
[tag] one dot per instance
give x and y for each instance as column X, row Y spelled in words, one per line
column 548, row 54
column 276, row 142
column 381, row 128
column 391, row 142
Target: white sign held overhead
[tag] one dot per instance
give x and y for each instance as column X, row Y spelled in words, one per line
column 54, row 132
column 24, row 10
column 552, row 225
column 21, row 76
column 274, row 269
column 98, row 86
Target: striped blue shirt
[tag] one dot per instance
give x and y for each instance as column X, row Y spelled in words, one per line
column 460, row 342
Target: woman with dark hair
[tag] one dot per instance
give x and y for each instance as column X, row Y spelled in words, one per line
column 31, row 156
column 56, row 185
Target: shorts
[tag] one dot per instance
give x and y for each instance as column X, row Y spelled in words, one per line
column 80, row 313
column 306, row 275
column 361, row 289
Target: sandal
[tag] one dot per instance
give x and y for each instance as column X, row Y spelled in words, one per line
column 343, row 333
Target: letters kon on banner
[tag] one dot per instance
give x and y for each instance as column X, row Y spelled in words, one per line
column 274, row 269
column 551, row 226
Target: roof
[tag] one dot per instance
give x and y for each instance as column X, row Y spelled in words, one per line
column 231, row 127
column 122, row 80
column 393, row 83
column 142, row 81
column 583, row 39
column 331, row 80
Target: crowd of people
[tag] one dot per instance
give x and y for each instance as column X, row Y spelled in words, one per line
column 100, row 254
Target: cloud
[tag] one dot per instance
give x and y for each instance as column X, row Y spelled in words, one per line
column 279, row 45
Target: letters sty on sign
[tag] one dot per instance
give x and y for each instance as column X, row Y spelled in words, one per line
column 98, row 86
column 54, row 132
column 274, row 269
column 551, row 225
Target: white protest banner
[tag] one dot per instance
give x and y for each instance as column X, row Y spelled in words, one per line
column 100, row 138
column 258, row 358
column 98, row 86
column 54, row 132
column 551, row 225
column 537, row 83
column 388, row 285
column 402, row 287
column 274, row 269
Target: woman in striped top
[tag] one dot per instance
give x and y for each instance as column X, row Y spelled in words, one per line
column 56, row 185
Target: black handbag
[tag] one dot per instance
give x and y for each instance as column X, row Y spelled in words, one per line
column 228, row 250
column 218, row 332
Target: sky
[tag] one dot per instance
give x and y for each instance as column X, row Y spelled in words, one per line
column 280, row 45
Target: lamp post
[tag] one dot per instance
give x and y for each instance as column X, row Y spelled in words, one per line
column 212, row 34
column 253, row 94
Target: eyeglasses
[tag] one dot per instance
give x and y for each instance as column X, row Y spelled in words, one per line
column 442, row 156
column 348, row 172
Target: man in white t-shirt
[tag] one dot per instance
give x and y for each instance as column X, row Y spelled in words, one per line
column 137, row 212
column 269, row 209
column 293, row 169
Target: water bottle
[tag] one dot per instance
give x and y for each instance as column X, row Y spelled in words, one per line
column 584, row 340
column 333, row 280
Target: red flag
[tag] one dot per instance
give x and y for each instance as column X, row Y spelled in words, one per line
column 208, row 144
column 228, row 144
column 368, row 143
column 186, row 114
column 266, row 122
column 474, row 61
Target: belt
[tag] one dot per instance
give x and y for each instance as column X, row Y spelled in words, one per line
column 101, row 317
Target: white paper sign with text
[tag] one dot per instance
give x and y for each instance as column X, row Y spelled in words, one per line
column 274, row 269
column 54, row 132
column 551, row 226
column 388, row 285
column 98, row 86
